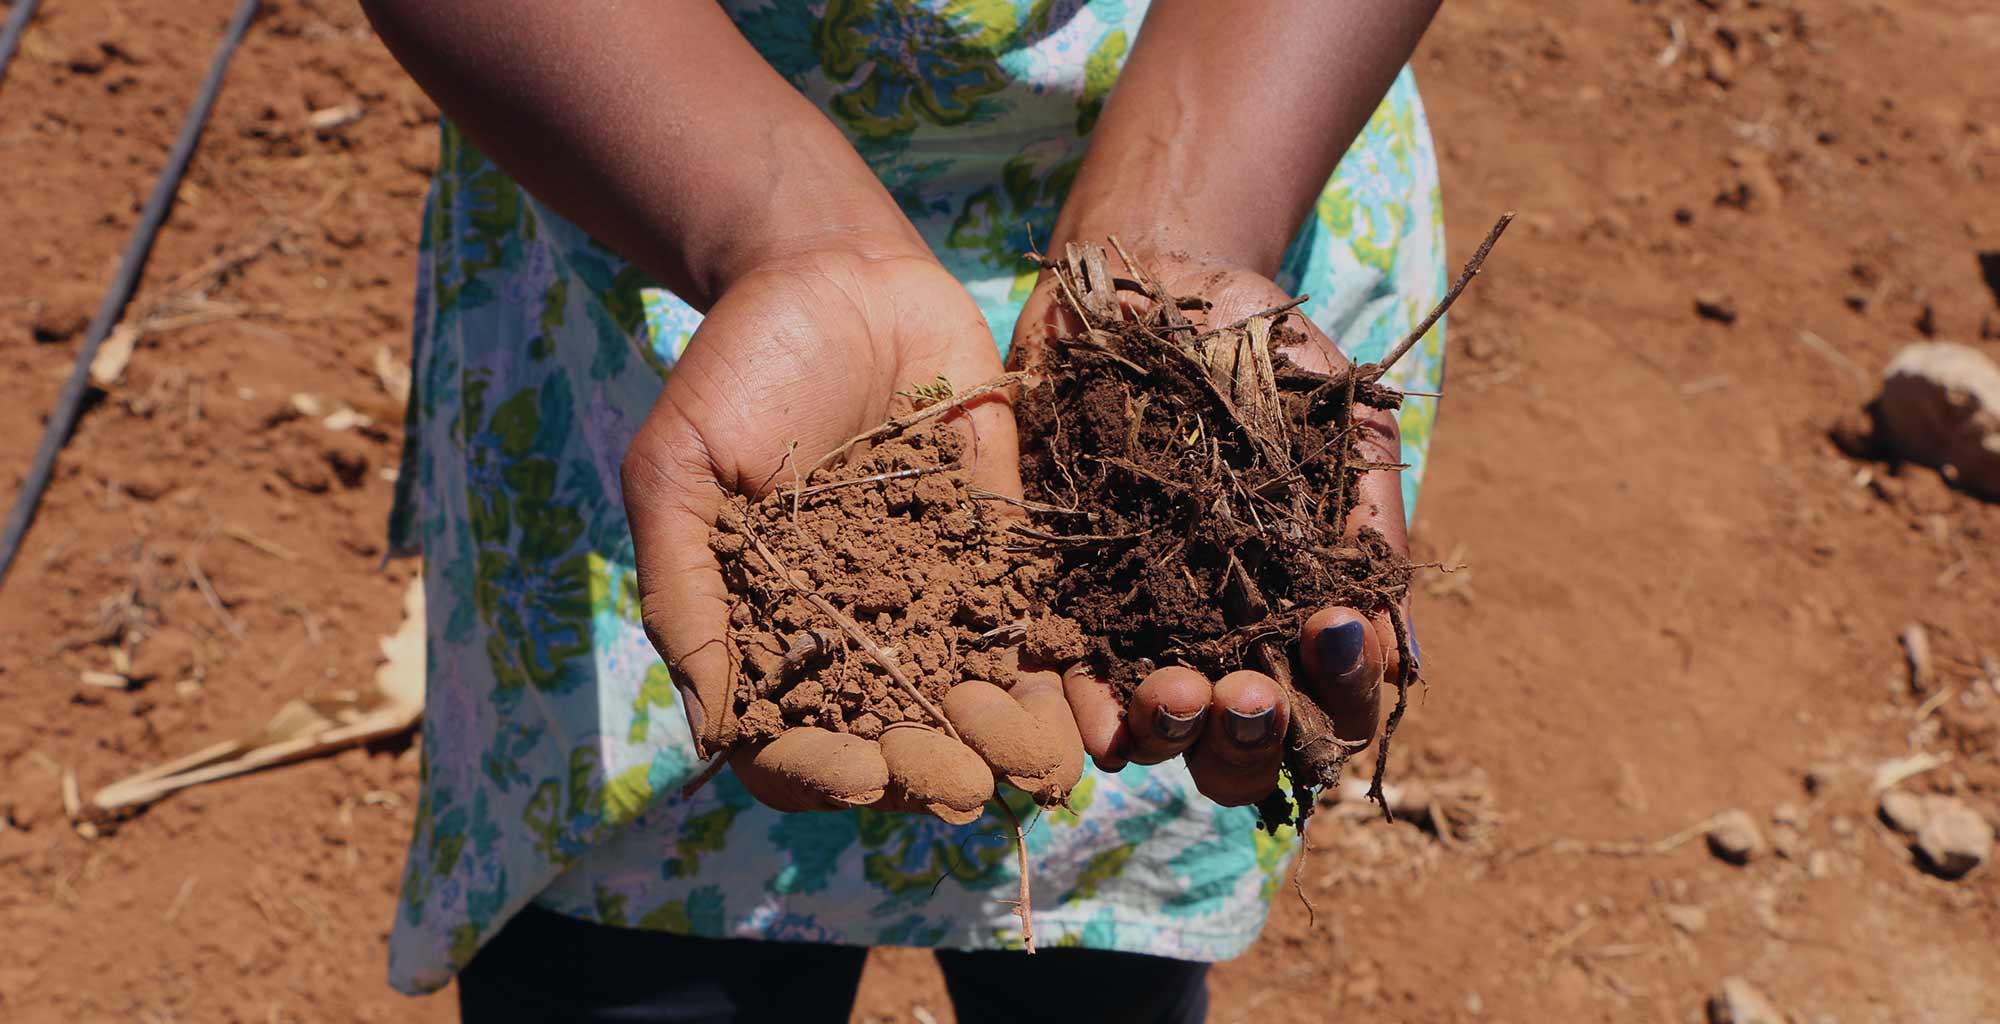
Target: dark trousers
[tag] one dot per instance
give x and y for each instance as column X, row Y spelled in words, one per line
column 547, row 967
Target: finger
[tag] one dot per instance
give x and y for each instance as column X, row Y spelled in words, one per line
column 1041, row 693
column 1100, row 718
column 998, row 729
column 1043, row 316
column 813, row 769
column 671, row 500
column 1342, row 651
column 1242, row 745
column 1166, row 713
column 931, row 772
column 1378, row 494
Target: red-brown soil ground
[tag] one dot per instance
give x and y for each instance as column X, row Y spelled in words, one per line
column 1680, row 599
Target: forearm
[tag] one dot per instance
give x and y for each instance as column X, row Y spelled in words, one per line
column 1228, row 119
column 655, row 127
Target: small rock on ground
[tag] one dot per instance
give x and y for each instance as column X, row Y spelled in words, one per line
column 1734, row 837
column 1738, row 1002
column 1955, row 839
column 1940, row 406
column 1716, row 306
column 1905, row 811
column 1687, row 917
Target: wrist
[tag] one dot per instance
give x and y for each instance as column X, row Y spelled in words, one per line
column 1166, row 235
column 819, row 219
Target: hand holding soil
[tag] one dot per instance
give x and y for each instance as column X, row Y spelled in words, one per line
column 1232, row 728
column 815, row 713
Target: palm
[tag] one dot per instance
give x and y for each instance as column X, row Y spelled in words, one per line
column 793, row 361
column 790, row 363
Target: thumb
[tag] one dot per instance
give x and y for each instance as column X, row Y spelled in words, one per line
column 672, row 497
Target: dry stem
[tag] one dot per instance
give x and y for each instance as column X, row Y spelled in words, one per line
column 1406, row 673
column 1465, row 277
column 901, row 474
column 1023, row 909
column 928, row 412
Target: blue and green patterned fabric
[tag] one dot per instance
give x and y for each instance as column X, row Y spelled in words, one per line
column 554, row 744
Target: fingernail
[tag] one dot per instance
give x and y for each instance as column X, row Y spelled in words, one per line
column 1173, row 728
column 1250, row 730
column 1340, row 647
column 1416, row 656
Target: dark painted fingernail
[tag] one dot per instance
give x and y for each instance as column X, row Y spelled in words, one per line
column 1173, row 728
column 1416, row 655
column 1250, row 730
column 1340, row 647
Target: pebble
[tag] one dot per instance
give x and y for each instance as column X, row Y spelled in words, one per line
column 1940, row 406
column 1955, row 839
column 1738, row 1002
column 1716, row 306
column 1905, row 811
column 1788, row 842
column 1734, row 837
column 1687, row 917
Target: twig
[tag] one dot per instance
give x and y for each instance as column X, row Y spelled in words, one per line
column 277, row 551
column 847, row 625
column 1023, row 908
column 1076, row 538
column 982, row 494
column 901, row 474
column 1406, row 673
column 1298, row 876
column 1013, row 633
column 180, row 900
column 1889, row 773
column 1165, row 305
column 929, row 412
column 714, row 768
column 1084, row 342
column 208, row 593
column 1271, row 311
column 1832, row 355
column 1464, row 278
column 1630, row 849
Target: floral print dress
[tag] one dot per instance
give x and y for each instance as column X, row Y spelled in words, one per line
column 554, row 743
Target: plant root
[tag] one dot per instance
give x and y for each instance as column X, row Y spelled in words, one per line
column 1024, row 903
column 908, row 420
column 1223, row 477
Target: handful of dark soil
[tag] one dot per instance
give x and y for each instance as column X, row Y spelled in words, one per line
column 1221, row 477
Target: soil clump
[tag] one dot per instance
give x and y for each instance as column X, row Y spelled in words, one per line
column 1219, row 477
column 867, row 591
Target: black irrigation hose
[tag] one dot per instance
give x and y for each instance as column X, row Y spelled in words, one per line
column 122, row 284
column 18, row 17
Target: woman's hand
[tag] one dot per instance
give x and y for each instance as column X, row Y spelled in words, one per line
column 1232, row 730
column 809, row 351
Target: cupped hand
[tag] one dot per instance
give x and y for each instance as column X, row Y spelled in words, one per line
column 794, row 358
column 1232, row 730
